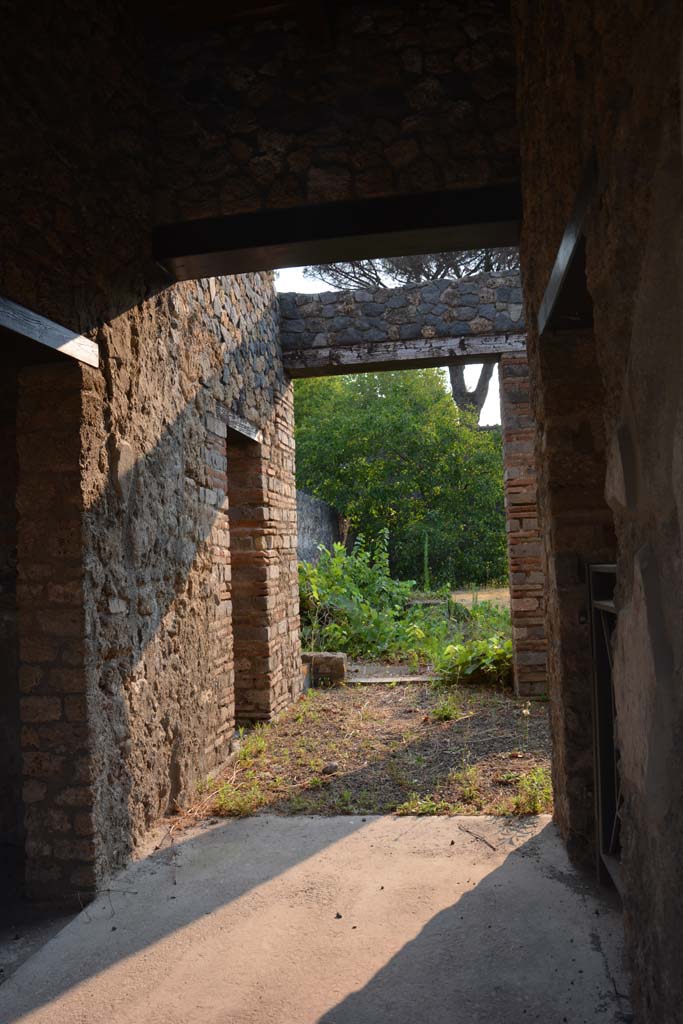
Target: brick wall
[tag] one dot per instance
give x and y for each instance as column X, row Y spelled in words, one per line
column 527, row 576
column 609, row 68
column 577, row 529
column 55, row 735
column 262, row 493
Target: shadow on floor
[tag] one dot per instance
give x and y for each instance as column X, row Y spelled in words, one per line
column 273, row 920
column 24, row 927
column 528, row 943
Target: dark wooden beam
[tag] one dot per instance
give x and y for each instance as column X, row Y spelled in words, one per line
column 32, row 325
column 332, row 232
column 245, row 429
column 360, row 357
column 170, row 18
column 566, row 302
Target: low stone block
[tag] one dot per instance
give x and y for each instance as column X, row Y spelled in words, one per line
column 327, row 667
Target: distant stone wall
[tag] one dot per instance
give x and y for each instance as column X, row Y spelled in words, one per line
column 317, row 523
column 485, row 304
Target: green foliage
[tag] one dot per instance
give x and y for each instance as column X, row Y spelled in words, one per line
column 426, row 575
column 392, row 450
column 534, row 793
column 483, row 651
column 447, row 710
column 484, row 660
column 483, row 619
column 349, row 602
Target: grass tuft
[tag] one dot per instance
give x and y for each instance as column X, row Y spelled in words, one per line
column 239, row 802
column 447, row 710
column 424, row 805
column 534, row 793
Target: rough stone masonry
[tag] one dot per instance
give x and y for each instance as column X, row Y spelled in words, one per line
column 250, row 110
column 156, row 571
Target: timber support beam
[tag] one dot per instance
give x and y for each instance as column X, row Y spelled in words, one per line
column 432, row 323
column 400, row 355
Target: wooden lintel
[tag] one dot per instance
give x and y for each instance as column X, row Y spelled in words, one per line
column 566, row 301
column 332, row 232
column 244, row 428
column 32, row 325
column 400, row 355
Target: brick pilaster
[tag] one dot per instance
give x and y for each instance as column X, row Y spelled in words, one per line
column 55, row 739
column 527, row 576
column 265, row 596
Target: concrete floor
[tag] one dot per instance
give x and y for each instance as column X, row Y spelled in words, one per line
column 24, row 927
column 337, row 921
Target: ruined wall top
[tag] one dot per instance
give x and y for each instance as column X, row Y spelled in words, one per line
column 485, row 304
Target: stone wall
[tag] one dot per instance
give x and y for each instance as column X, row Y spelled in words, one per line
column 525, row 555
column 365, row 100
column 577, row 530
column 485, row 304
column 317, row 523
column 126, row 603
column 157, row 541
column 609, row 68
column 79, row 154
column 10, row 756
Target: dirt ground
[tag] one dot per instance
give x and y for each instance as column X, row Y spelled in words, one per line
column 405, row 748
column 496, row 595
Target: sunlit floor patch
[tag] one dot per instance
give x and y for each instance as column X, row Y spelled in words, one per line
column 337, row 920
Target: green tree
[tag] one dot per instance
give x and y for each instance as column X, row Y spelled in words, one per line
column 391, row 450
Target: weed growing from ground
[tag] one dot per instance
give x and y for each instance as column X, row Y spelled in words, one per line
column 534, row 793
column 447, row 710
column 239, row 802
column 470, row 790
column 253, row 744
column 423, row 805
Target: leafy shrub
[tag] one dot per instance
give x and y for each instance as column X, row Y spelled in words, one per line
column 349, row 602
column 486, row 660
